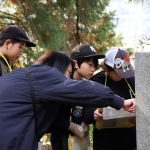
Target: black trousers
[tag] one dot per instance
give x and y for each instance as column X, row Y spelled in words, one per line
column 59, row 140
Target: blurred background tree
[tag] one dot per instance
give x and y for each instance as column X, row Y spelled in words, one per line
column 137, row 1
column 61, row 25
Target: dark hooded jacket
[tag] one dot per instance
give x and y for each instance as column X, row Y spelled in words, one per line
column 51, row 88
column 112, row 138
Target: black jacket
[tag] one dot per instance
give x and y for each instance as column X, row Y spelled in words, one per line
column 51, row 88
column 113, row 138
column 120, row 88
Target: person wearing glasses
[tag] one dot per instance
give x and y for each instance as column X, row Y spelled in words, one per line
column 118, row 75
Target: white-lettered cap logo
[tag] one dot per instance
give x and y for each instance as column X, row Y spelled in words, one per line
column 92, row 49
column 123, row 64
column 78, row 113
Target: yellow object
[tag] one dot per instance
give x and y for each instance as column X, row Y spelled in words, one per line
column 115, row 123
column 10, row 69
column 18, row 64
column 74, row 143
column 69, row 143
column 97, row 124
column 129, row 87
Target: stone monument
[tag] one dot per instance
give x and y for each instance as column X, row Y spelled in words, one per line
column 142, row 89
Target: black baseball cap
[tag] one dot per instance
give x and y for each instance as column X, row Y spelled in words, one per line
column 16, row 32
column 84, row 51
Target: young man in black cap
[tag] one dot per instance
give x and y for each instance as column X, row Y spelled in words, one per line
column 85, row 64
column 118, row 75
column 13, row 39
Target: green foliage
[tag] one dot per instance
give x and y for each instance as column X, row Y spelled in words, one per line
column 61, row 25
column 91, row 134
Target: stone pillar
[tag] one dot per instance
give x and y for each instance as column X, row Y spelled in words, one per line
column 142, row 89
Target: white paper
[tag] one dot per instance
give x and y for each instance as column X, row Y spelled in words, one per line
column 111, row 113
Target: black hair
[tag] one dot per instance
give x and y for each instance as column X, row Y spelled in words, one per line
column 108, row 67
column 12, row 40
column 56, row 59
column 87, row 59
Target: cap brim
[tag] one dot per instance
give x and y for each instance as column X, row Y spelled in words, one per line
column 126, row 73
column 28, row 43
column 96, row 55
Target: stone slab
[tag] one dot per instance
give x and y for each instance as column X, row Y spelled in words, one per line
column 142, row 89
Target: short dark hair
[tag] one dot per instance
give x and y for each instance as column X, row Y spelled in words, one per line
column 12, row 40
column 87, row 59
column 108, row 67
column 59, row 60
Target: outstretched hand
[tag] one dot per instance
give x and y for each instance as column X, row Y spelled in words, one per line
column 129, row 105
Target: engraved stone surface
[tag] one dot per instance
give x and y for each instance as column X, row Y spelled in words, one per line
column 142, row 88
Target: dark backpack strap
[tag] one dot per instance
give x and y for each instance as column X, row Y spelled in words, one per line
column 33, row 100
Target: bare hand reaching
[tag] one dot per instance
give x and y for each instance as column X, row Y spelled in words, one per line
column 129, row 105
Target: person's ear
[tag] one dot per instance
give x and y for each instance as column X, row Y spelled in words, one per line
column 75, row 64
column 7, row 42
